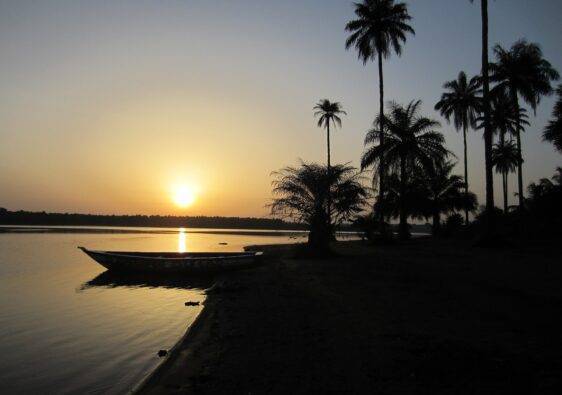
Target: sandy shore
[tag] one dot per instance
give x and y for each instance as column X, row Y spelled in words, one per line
column 424, row 317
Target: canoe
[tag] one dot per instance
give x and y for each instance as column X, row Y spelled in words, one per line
column 174, row 262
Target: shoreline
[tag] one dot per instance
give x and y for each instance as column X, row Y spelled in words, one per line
column 181, row 355
column 393, row 319
column 183, row 342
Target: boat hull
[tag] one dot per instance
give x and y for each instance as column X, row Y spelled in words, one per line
column 173, row 263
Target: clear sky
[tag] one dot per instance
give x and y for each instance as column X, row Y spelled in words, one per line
column 107, row 106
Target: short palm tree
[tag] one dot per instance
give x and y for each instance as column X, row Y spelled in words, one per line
column 380, row 28
column 505, row 158
column 522, row 72
column 430, row 194
column 301, row 194
column 404, row 195
column 409, row 141
column 446, row 193
column 463, row 103
column 553, row 131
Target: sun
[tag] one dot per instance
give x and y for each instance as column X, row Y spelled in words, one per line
column 184, row 195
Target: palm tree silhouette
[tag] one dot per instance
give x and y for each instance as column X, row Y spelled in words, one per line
column 301, row 194
column 463, row 103
column 328, row 113
column 446, row 193
column 408, row 140
column 380, row 28
column 490, row 222
column 553, row 131
column 505, row 159
column 505, row 118
column 522, row 71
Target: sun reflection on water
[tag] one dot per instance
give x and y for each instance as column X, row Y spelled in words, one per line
column 182, row 241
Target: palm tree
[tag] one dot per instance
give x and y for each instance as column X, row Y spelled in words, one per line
column 403, row 196
column 463, row 103
column 505, row 118
column 328, row 113
column 409, row 140
column 380, row 28
column 301, row 194
column 490, row 223
column 445, row 193
column 429, row 194
column 553, row 131
column 505, row 158
column 540, row 189
column 522, row 71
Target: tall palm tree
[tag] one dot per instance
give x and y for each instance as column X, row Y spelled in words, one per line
column 380, row 28
column 523, row 72
column 409, row 140
column 328, row 113
column 490, row 223
column 505, row 118
column 553, row 131
column 462, row 102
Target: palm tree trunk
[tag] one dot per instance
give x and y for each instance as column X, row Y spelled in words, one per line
column 403, row 227
column 505, row 206
column 329, row 197
column 519, row 152
column 490, row 222
column 504, row 175
column 381, row 141
column 328, row 143
column 465, row 172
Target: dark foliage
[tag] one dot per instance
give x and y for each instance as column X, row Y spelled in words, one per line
column 302, row 195
column 540, row 221
column 410, row 142
column 553, row 131
column 74, row 219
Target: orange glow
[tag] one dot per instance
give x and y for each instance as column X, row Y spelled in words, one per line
column 184, row 195
column 182, row 240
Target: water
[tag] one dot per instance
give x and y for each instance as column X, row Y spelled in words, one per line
column 68, row 327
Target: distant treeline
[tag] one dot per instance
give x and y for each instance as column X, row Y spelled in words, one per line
column 43, row 218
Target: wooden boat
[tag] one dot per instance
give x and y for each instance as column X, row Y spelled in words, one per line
column 174, row 262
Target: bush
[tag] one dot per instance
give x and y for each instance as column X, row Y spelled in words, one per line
column 454, row 223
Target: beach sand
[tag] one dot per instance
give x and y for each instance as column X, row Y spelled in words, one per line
column 428, row 317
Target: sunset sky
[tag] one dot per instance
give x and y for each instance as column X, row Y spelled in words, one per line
column 109, row 107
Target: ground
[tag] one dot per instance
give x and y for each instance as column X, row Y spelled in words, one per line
column 425, row 317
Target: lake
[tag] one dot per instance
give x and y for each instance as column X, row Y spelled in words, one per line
column 68, row 327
